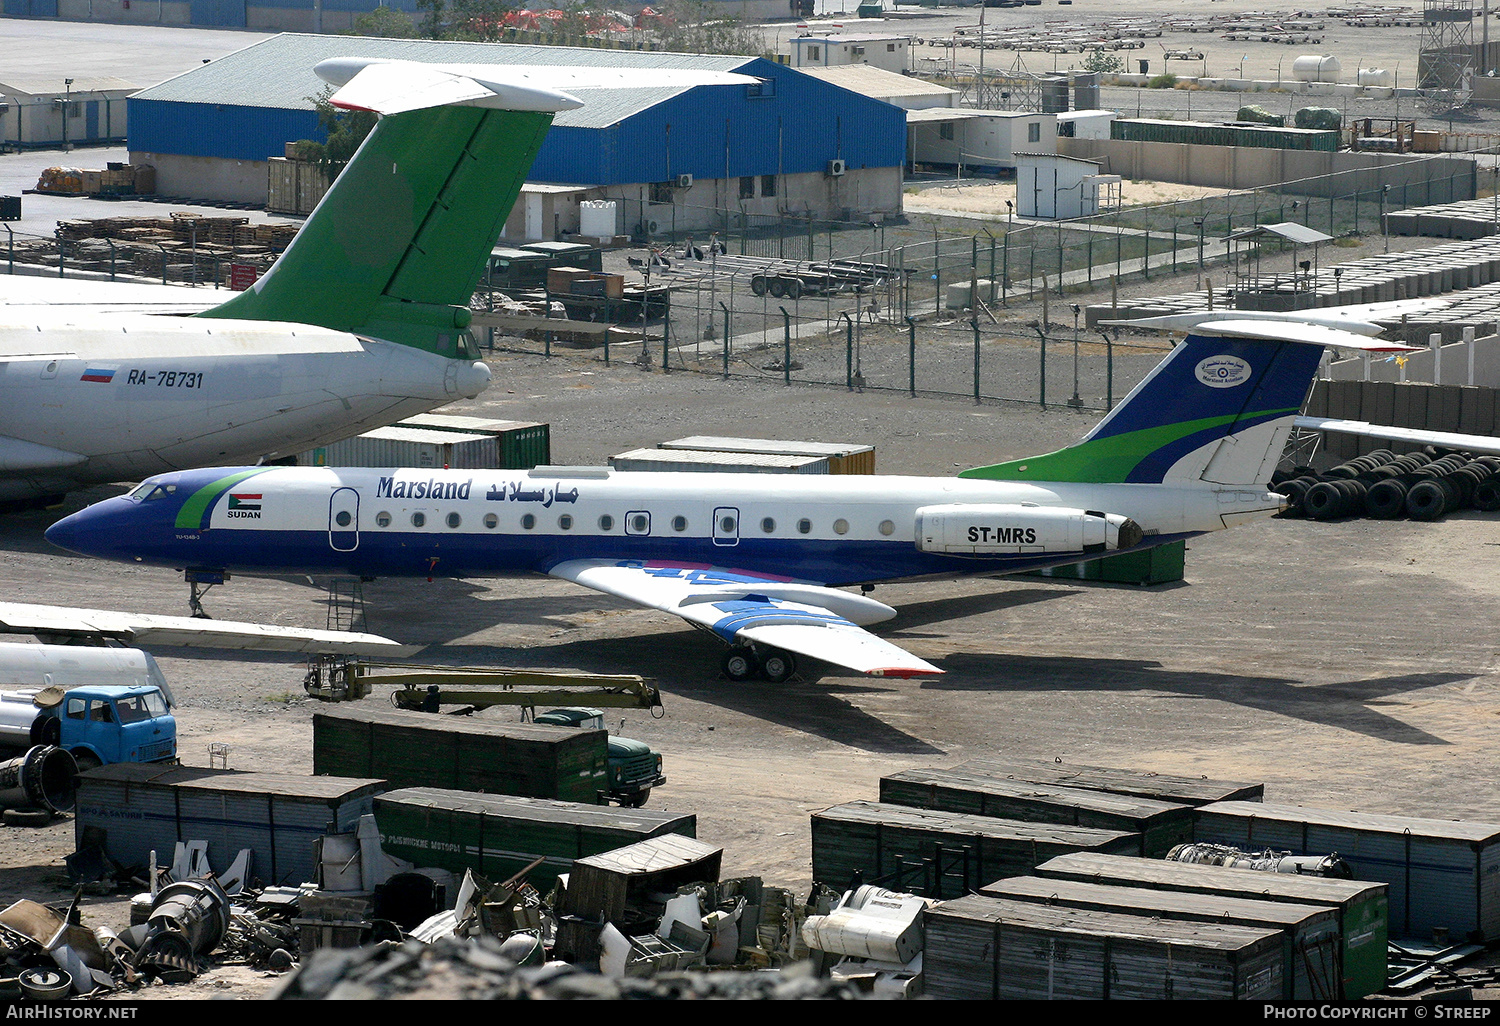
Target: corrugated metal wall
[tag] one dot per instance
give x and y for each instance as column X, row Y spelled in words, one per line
column 798, row 130
column 217, row 130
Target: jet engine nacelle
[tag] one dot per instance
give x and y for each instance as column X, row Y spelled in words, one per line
column 991, row 529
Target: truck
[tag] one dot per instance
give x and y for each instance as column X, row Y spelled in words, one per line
column 101, row 705
column 634, row 769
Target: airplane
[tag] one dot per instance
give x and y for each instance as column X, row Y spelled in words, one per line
column 361, row 322
column 761, row 560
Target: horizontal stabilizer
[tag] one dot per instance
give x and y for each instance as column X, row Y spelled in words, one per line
column 1484, row 444
column 57, row 622
column 1295, row 331
column 393, row 86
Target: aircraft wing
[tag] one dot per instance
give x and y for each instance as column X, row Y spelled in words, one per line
column 137, row 629
column 1416, row 436
column 808, row 619
column 22, row 296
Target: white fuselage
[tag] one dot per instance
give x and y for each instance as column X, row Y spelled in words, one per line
column 93, row 398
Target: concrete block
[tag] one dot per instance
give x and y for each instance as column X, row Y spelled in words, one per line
column 1477, row 410
column 1446, row 413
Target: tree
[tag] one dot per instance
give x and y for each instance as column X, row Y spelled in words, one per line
column 1104, row 63
column 383, row 21
column 346, row 130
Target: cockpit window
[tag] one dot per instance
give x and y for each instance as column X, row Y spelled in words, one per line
column 150, row 492
column 468, row 349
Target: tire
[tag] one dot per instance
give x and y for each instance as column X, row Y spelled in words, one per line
column 758, row 285
column 793, row 289
column 739, row 664
column 25, row 817
column 636, row 800
column 1386, row 500
column 86, row 760
column 778, row 667
column 1324, row 501
column 1426, row 501
column 777, row 288
column 1487, row 495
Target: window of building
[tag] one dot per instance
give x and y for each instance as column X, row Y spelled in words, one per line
column 747, row 187
column 661, row 192
column 945, row 130
column 814, row 53
column 1034, row 132
column 768, row 185
column 890, row 47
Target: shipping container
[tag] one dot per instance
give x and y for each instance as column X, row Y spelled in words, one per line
column 497, row 836
column 1442, row 873
column 699, row 462
column 569, row 254
column 983, row 948
column 1160, row 564
column 523, row 444
column 1361, row 906
column 843, row 457
column 143, row 807
column 407, row 447
column 1202, row 133
column 1160, row 825
column 292, row 186
column 941, row 853
column 1311, row 948
column 1162, row 787
column 462, row 753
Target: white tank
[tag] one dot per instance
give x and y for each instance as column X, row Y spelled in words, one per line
column 1380, row 77
column 71, row 666
column 596, row 218
column 1316, row 68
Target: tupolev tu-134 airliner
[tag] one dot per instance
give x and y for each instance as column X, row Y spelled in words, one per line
column 761, row 561
column 360, row 323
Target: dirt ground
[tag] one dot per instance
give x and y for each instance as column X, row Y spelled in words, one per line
column 1343, row 664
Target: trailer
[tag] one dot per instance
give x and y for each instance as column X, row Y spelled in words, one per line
column 823, row 278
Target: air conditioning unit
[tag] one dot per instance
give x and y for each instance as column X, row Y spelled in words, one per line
column 684, row 181
column 836, row 168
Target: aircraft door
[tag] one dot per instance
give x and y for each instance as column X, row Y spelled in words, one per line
column 726, row 526
column 343, row 520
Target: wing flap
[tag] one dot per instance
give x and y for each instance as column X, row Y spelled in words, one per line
column 1417, row 436
column 808, row 619
column 189, row 632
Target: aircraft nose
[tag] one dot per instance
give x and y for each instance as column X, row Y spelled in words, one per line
column 68, row 532
column 473, row 378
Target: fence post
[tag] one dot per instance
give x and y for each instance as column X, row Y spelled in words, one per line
column 1109, row 373
column 1005, row 269
column 666, row 331
column 848, row 350
column 726, row 339
column 992, row 265
column 911, row 342
column 1042, row 392
column 974, row 323
column 786, row 356
column 1146, row 260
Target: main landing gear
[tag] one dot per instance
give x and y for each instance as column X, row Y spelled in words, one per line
column 743, row 662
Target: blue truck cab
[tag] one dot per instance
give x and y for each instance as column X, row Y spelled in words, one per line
column 106, row 724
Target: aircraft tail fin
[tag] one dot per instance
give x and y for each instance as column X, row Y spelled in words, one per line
column 398, row 243
column 1216, row 411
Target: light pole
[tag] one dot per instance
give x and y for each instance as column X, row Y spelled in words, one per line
column 67, row 98
column 1199, row 222
column 1076, row 401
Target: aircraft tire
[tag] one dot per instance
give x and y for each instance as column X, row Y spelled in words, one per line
column 778, row 667
column 739, row 663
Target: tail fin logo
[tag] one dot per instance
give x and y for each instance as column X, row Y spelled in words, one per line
column 1223, row 371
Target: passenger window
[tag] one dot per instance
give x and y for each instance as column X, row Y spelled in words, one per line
column 841, row 526
column 491, row 521
column 726, row 525
column 454, row 520
column 887, row 527
column 419, row 520
column 343, row 518
column 76, row 708
column 382, row 519
column 804, row 526
column 768, row 525
column 528, row 521
column 606, row 523
column 565, row 522
column 679, row 523
column 100, row 712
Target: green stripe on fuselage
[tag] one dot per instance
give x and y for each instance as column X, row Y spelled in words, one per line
column 396, row 247
column 1105, row 460
column 190, row 516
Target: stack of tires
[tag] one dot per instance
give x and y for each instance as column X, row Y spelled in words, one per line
column 1422, row 486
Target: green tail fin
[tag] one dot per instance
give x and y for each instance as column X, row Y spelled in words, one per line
column 397, row 245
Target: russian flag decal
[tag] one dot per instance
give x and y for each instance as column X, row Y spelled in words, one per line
column 96, row 374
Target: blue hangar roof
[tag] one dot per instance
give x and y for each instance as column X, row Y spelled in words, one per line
column 248, row 104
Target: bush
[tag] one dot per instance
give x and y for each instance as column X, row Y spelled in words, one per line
column 1167, row 81
column 1104, row 63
